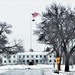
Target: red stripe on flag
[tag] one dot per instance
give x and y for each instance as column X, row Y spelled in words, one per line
column 35, row 14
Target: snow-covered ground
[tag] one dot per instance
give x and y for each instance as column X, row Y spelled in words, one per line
column 37, row 69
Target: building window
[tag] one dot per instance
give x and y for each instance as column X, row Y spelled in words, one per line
column 4, row 56
column 23, row 56
column 9, row 61
column 27, row 56
column 50, row 60
column 44, row 56
column 36, row 56
column 36, row 61
column 14, row 61
column 40, row 56
column 19, row 56
column 32, row 56
column 14, row 56
column 5, row 61
column 32, row 61
column 9, row 56
column 23, row 60
column 54, row 60
column 50, row 55
column 27, row 61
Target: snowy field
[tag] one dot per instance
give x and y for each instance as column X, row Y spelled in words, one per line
column 33, row 70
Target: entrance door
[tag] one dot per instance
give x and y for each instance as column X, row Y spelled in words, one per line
column 31, row 62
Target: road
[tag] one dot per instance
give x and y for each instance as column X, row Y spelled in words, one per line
column 25, row 72
column 33, row 71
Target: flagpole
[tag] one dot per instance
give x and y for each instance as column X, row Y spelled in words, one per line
column 35, row 14
column 30, row 31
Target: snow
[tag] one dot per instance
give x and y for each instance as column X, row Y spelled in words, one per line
column 46, row 69
column 33, row 53
column 11, row 67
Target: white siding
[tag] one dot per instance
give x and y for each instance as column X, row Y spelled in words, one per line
column 25, row 57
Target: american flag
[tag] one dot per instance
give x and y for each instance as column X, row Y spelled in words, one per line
column 35, row 14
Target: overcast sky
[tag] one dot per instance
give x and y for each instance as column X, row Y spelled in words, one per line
column 18, row 14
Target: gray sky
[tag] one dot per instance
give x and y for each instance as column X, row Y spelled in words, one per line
column 18, row 14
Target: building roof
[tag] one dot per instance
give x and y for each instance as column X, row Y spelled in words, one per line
column 33, row 53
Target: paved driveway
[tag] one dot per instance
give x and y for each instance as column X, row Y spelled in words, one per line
column 29, row 72
column 23, row 72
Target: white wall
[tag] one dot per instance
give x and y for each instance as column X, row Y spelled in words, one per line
column 23, row 58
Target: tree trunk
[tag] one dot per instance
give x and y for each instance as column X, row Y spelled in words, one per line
column 66, row 64
column 66, row 57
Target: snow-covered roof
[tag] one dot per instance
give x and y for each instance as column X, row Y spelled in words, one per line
column 33, row 53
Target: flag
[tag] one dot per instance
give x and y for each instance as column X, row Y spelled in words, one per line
column 33, row 20
column 35, row 14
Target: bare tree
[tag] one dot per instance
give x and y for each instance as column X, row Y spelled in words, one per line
column 57, row 29
column 17, row 46
column 5, row 28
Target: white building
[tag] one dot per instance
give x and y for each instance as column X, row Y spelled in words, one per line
column 27, row 57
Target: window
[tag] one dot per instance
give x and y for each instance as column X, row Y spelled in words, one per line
column 27, row 61
column 36, row 56
column 23, row 60
column 32, row 61
column 14, row 61
column 23, row 56
column 27, row 56
column 36, row 61
column 9, row 56
column 14, row 56
column 4, row 56
column 5, row 61
column 19, row 56
column 32, row 56
column 54, row 60
column 40, row 55
column 44, row 56
column 50, row 60
column 50, row 55
column 9, row 61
